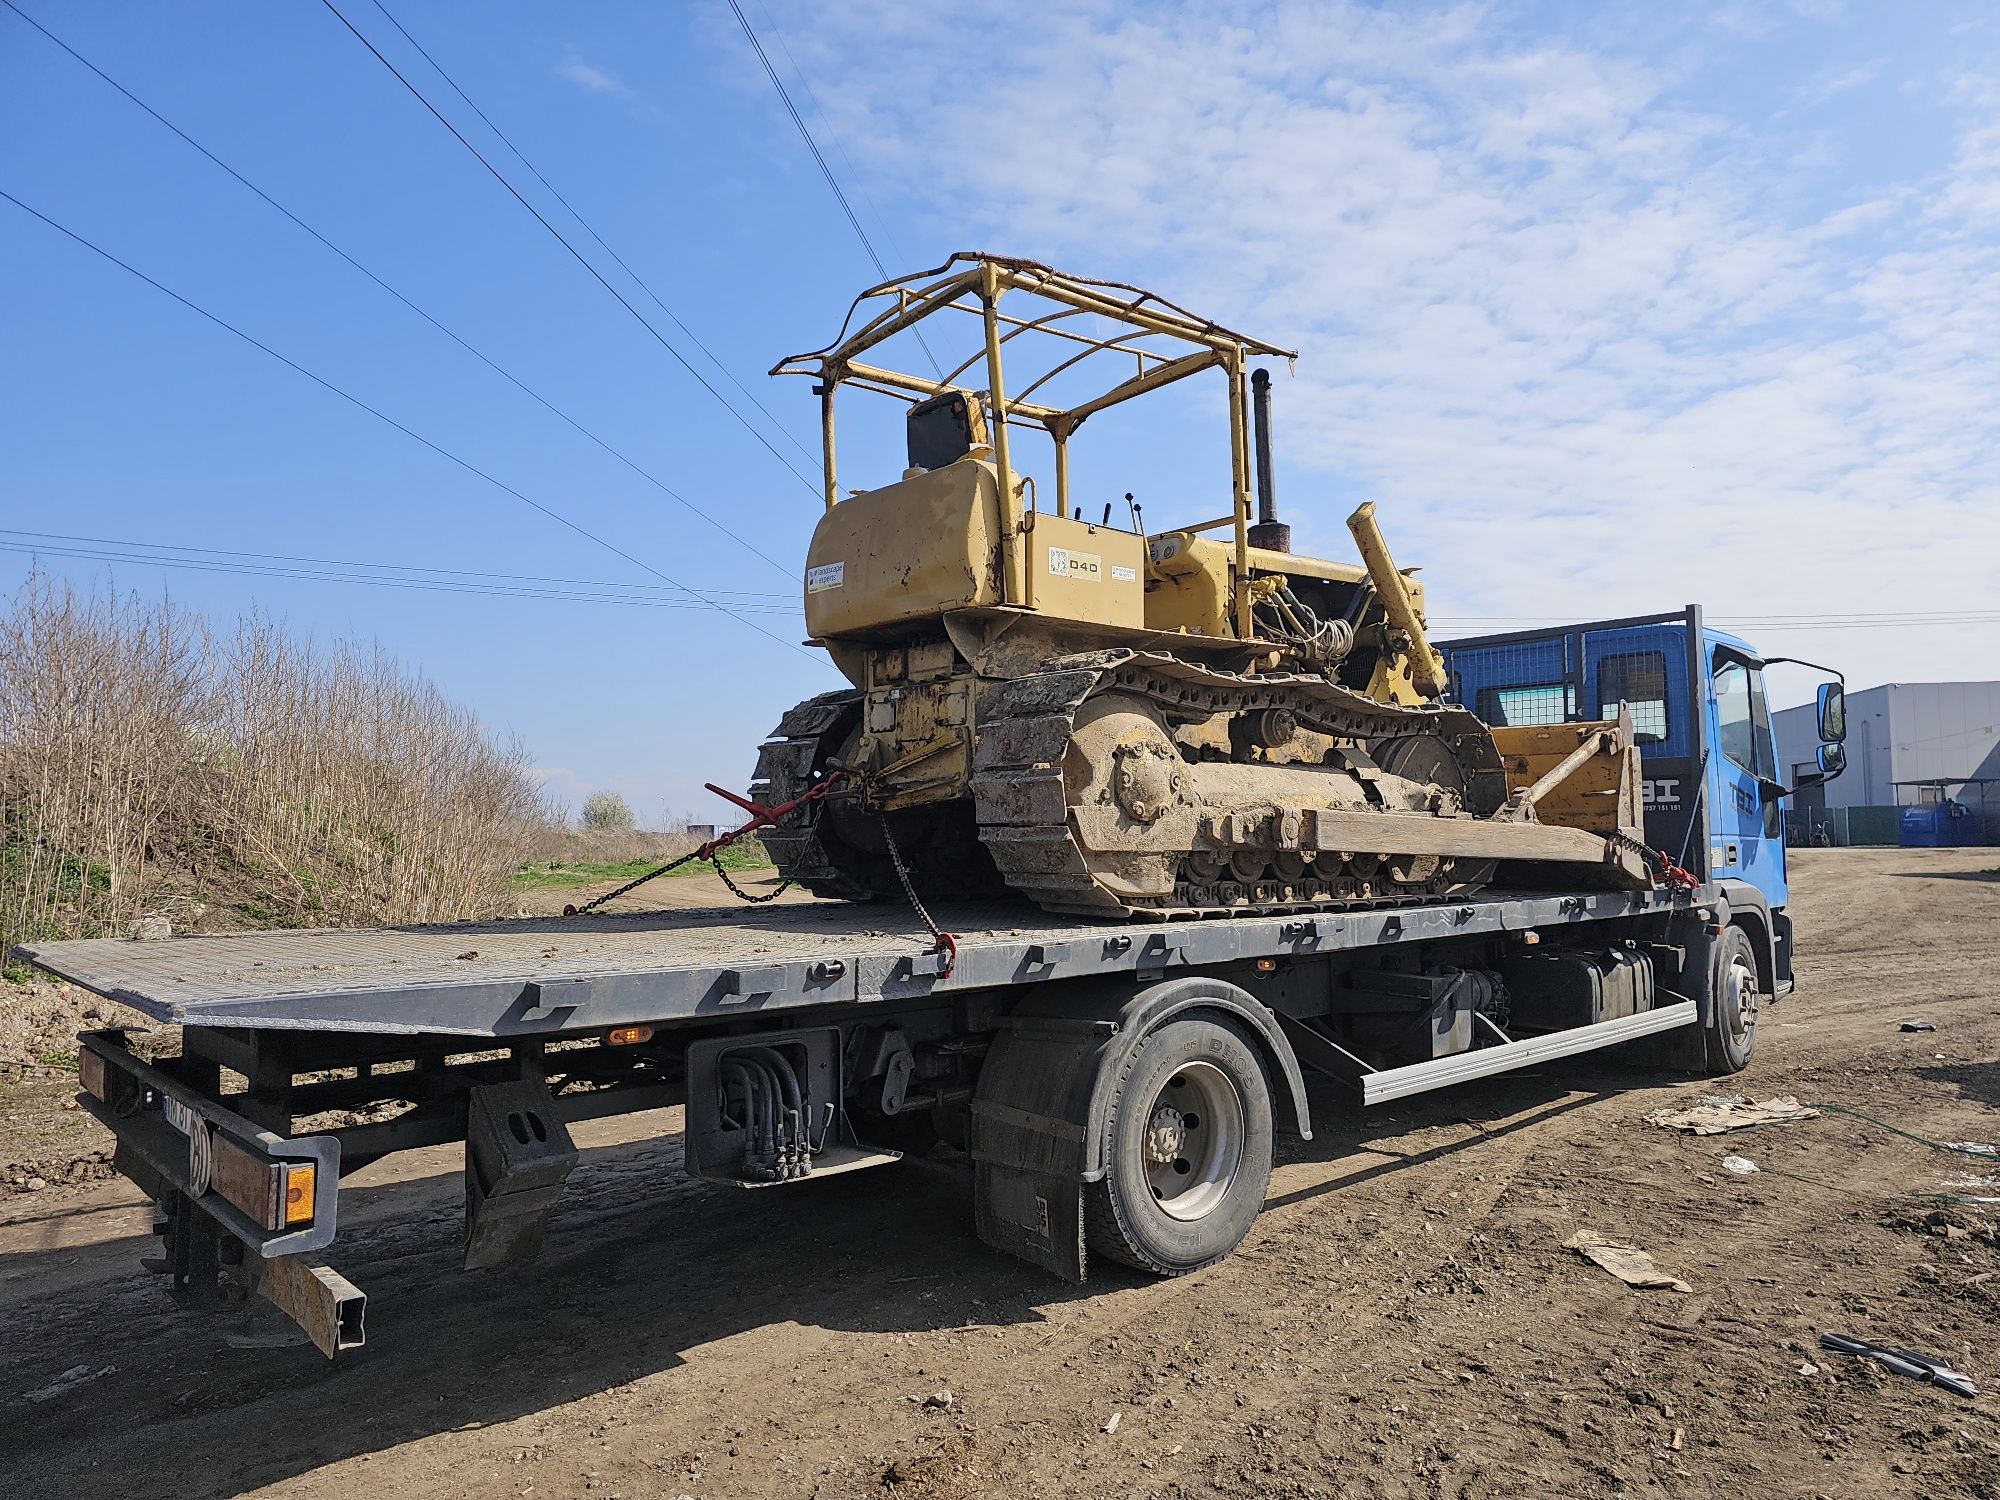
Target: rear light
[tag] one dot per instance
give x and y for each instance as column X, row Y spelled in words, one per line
column 90, row 1068
column 300, row 1180
column 273, row 1195
column 628, row 1036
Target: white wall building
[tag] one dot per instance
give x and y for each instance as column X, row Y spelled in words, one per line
column 1904, row 732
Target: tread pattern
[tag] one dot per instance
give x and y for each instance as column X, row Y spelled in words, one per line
column 1021, row 804
column 786, row 766
column 1105, row 1230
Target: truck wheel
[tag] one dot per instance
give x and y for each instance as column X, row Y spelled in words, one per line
column 1188, row 1153
column 1734, row 997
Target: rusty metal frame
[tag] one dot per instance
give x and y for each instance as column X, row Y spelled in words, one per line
column 974, row 283
column 330, row 1309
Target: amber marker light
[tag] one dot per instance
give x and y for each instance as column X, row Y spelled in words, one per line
column 628, row 1036
column 300, row 1180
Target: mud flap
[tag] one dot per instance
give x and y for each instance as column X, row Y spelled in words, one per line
column 1684, row 972
column 1035, row 1216
column 518, row 1154
column 1039, row 1120
column 1028, row 1129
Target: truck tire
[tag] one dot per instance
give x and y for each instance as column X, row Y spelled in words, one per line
column 1733, row 1002
column 1187, row 1150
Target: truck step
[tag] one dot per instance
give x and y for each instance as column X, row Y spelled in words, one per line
column 1385, row 1084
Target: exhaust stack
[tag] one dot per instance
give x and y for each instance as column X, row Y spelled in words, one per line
column 1269, row 532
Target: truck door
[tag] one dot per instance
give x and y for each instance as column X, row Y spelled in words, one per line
column 1746, row 822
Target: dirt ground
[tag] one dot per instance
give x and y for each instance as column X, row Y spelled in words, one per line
column 1402, row 1321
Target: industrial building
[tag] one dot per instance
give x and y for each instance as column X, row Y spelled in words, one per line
column 1909, row 745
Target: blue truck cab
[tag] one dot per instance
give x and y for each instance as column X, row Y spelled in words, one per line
column 1713, row 798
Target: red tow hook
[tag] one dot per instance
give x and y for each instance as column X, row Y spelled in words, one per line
column 760, row 815
column 1673, row 875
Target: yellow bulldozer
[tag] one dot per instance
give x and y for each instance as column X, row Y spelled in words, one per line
column 1122, row 721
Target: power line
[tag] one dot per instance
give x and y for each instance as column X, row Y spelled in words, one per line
column 506, row 375
column 623, row 301
column 806, row 135
column 824, row 170
column 1775, row 624
column 518, row 586
column 1850, row 617
column 1779, row 626
column 740, row 598
column 604, row 591
column 381, row 416
column 309, row 575
column 1914, row 616
column 826, row 128
column 570, row 208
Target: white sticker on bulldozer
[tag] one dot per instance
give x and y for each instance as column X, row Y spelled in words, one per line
column 1124, row 575
column 1087, row 566
column 825, row 576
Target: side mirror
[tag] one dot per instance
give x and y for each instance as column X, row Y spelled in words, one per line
column 1832, row 761
column 1832, row 716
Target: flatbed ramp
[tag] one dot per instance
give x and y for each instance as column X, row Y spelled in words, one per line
column 542, row 976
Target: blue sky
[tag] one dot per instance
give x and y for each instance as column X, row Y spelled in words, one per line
column 1611, row 308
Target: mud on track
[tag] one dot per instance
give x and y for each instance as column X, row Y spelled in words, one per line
column 1401, row 1321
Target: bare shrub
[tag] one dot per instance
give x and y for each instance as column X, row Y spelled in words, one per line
column 146, row 760
column 560, row 844
column 607, row 810
column 571, row 844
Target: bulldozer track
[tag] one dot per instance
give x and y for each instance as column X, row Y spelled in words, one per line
column 786, row 766
column 1022, row 808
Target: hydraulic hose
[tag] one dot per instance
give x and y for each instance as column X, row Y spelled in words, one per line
column 793, row 1153
column 732, row 1069
column 759, row 1115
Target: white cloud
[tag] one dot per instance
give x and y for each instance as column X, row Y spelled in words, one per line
column 585, row 76
column 1830, row 84
column 1596, row 351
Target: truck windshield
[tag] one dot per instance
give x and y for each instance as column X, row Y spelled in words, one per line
column 1742, row 723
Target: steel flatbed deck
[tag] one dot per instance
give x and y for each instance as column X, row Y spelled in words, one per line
column 546, row 976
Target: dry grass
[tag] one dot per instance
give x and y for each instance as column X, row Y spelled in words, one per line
column 150, row 763
column 574, row 856
column 572, row 844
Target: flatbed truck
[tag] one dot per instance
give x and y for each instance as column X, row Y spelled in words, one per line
column 1117, row 1085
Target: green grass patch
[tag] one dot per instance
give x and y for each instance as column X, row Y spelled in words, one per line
column 550, row 874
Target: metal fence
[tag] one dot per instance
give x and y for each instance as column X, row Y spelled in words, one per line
column 1840, row 827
